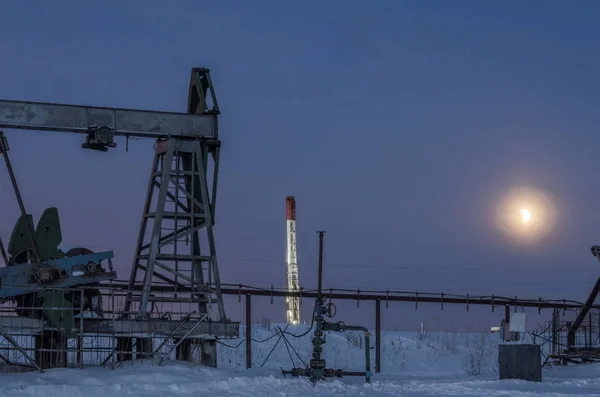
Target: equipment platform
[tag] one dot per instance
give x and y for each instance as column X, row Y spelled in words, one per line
column 126, row 327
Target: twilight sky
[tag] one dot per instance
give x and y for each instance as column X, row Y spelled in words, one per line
column 396, row 124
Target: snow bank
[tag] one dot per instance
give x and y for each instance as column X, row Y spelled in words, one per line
column 413, row 365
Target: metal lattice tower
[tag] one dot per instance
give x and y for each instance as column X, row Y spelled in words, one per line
column 176, row 242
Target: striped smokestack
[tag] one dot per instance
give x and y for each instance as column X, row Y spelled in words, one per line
column 293, row 303
column 290, row 208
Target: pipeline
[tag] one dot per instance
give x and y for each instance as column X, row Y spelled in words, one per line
column 367, row 348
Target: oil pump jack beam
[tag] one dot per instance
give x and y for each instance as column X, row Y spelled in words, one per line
column 124, row 122
column 121, row 122
column 186, row 161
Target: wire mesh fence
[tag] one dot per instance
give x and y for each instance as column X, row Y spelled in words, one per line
column 77, row 327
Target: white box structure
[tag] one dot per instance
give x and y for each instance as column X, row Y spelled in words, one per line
column 517, row 322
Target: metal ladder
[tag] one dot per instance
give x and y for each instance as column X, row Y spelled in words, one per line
column 170, row 336
column 184, row 320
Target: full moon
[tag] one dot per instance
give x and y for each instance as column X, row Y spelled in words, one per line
column 525, row 215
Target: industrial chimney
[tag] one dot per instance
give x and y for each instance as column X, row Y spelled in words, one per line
column 293, row 303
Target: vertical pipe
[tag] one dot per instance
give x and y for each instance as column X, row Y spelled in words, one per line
column 80, row 336
column 554, row 330
column 507, row 336
column 367, row 358
column 320, row 286
column 367, row 348
column 248, row 331
column 378, row 336
column 114, row 339
column 317, row 364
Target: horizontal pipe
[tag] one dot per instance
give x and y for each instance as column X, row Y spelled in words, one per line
column 421, row 297
column 442, row 298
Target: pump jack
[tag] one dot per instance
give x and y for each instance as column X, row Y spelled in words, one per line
column 37, row 271
column 316, row 369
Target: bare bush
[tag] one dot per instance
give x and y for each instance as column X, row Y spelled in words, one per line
column 265, row 323
column 476, row 358
column 422, row 333
column 354, row 339
column 395, row 352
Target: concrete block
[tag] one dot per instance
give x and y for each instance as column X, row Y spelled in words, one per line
column 520, row 361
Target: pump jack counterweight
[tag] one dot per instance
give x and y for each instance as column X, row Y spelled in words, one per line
column 317, row 369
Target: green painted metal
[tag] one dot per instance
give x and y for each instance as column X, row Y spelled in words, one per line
column 19, row 239
column 48, row 235
column 317, row 363
column 58, row 311
column 367, row 347
column 57, row 307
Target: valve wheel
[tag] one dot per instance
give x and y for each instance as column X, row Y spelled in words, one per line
column 330, row 310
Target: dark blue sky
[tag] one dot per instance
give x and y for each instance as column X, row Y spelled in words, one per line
column 394, row 123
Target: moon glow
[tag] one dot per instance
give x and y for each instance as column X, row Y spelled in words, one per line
column 525, row 215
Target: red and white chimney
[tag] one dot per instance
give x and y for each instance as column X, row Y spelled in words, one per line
column 293, row 303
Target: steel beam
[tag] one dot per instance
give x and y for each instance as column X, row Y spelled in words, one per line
column 163, row 327
column 158, row 327
column 123, row 122
column 589, row 303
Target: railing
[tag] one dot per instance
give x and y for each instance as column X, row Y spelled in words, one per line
column 59, row 329
column 87, row 340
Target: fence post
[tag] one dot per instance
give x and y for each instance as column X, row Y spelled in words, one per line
column 377, row 335
column 248, row 331
column 555, row 328
column 80, row 336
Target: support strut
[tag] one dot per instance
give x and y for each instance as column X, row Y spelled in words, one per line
column 4, row 152
column 587, row 306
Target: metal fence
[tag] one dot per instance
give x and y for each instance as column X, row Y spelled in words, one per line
column 554, row 338
column 77, row 327
column 71, row 334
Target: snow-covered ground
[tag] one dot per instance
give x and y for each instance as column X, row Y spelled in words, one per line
column 413, row 364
